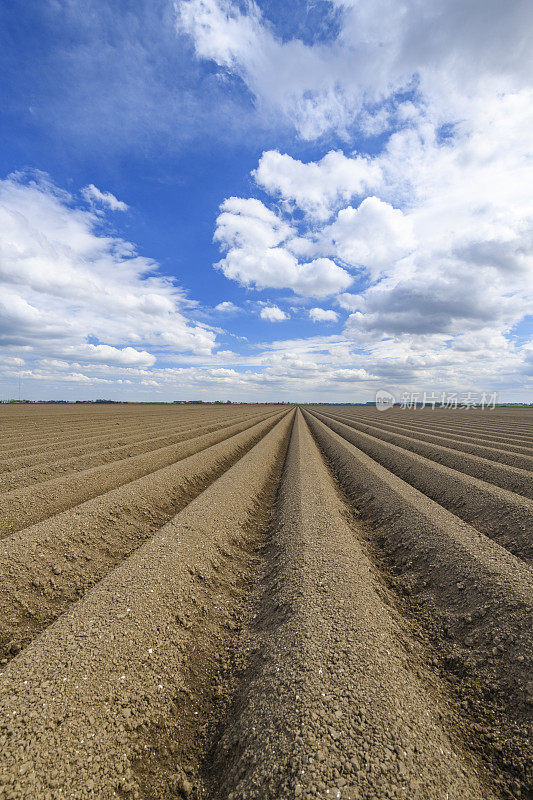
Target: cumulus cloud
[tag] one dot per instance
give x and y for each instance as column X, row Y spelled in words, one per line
column 451, row 226
column 471, row 263
column 227, row 307
column 69, row 290
column 442, row 248
column 313, row 367
column 443, row 205
column 317, row 187
column 105, row 354
column 249, row 224
column 350, row 302
column 383, row 47
column 372, row 236
column 95, row 197
column 323, row 315
column 273, row 314
column 288, row 77
column 256, row 241
column 426, row 240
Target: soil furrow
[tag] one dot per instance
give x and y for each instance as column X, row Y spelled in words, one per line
column 60, row 417
column 36, row 437
column 24, row 507
column 80, row 704
column 515, row 456
column 46, row 567
column 333, row 696
column 502, row 515
column 29, row 476
column 515, row 480
column 19, row 455
column 80, row 446
column 252, row 603
column 448, row 422
column 475, row 596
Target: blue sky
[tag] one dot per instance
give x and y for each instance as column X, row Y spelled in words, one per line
column 359, row 175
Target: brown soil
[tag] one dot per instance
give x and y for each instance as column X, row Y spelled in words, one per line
column 22, row 507
column 503, row 515
column 27, row 471
column 257, row 603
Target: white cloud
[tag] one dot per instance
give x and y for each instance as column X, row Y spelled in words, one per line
column 383, row 47
column 273, row 314
column 470, row 208
column 311, row 368
column 249, row 224
column 456, row 224
column 372, row 236
column 70, row 291
column 318, row 187
column 256, row 242
column 442, row 250
column 350, row 302
column 323, row 315
column 288, row 77
column 275, row 268
column 104, row 354
column 95, row 197
column 227, row 307
column 431, row 230
column 440, row 236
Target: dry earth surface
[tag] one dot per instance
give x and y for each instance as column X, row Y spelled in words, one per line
column 259, row 602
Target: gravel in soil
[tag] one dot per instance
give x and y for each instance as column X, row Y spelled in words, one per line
column 312, row 622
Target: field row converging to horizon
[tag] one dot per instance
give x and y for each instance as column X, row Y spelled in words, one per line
column 263, row 602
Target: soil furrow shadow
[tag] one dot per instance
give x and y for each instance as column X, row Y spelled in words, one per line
column 174, row 756
column 49, row 566
column 461, row 652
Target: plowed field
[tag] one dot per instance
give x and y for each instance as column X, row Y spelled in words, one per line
column 265, row 603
